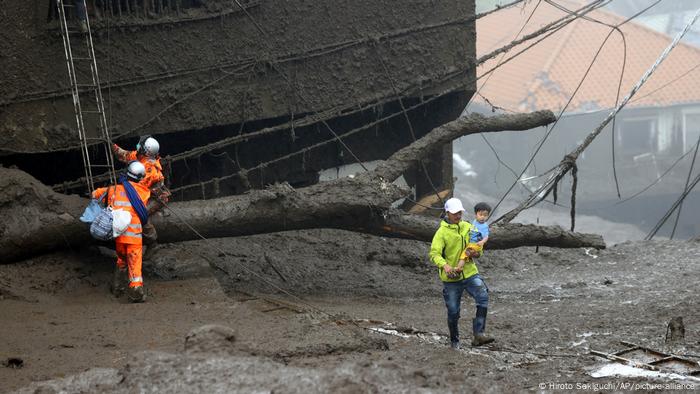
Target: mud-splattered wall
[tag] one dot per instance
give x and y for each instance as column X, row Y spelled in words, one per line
column 218, row 65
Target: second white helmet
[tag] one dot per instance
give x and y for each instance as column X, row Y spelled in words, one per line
column 135, row 171
column 149, row 147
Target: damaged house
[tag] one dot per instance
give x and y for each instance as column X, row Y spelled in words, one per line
column 660, row 125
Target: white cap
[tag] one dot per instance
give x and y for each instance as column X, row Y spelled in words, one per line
column 453, row 205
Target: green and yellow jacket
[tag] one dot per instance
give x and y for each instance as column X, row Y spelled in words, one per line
column 449, row 242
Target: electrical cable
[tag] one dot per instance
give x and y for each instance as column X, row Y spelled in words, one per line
column 667, row 83
column 410, row 125
column 311, row 147
column 570, row 159
column 622, row 73
column 675, row 205
column 687, row 180
column 498, row 8
column 443, row 78
column 551, row 128
column 657, row 180
column 478, row 91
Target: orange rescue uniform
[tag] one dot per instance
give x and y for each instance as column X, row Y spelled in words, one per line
column 154, row 170
column 129, row 244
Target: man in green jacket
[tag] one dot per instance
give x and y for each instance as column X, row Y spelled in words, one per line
column 449, row 242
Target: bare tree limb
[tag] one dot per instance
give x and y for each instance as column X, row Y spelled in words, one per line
column 403, row 159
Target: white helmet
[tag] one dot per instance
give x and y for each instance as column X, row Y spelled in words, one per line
column 135, row 171
column 148, row 146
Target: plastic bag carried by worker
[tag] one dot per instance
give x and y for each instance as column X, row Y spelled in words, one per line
column 95, row 206
column 102, row 227
column 91, row 211
column 120, row 221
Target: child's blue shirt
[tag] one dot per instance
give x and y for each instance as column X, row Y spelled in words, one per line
column 479, row 232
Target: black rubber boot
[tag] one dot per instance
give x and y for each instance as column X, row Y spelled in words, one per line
column 479, row 326
column 136, row 294
column 453, row 326
column 120, row 278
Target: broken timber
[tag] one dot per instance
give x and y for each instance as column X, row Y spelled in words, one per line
column 651, row 359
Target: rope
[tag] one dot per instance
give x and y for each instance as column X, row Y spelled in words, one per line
column 619, row 83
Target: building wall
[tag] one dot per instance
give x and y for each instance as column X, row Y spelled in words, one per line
column 215, row 67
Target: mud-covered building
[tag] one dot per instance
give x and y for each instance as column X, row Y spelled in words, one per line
column 240, row 93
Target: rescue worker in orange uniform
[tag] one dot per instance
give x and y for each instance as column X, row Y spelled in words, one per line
column 147, row 154
column 129, row 244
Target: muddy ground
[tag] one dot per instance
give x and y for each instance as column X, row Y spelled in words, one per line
column 548, row 308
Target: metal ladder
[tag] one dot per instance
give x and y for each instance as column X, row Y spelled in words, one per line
column 95, row 140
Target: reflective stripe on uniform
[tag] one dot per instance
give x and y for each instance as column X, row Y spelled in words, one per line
column 135, row 225
column 122, row 203
column 136, row 279
column 131, row 234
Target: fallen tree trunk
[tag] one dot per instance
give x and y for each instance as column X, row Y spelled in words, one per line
column 38, row 220
column 512, row 235
column 49, row 221
column 279, row 209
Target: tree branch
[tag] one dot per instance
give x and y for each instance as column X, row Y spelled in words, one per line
column 403, row 159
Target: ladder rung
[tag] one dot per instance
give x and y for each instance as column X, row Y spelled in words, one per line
column 100, row 165
column 91, row 112
column 82, row 58
column 68, row 5
column 86, row 85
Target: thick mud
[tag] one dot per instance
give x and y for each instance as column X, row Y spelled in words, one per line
column 335, row 311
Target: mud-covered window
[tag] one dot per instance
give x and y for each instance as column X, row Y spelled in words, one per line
column 637, row 136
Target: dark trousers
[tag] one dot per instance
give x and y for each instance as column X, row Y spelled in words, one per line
column 452, row 293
